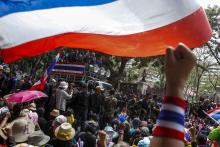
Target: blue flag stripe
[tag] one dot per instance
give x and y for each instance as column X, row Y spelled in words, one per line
column 216, row 116
column 13, row 6
column 69, row 68
column 52, row 65
column 171, row 116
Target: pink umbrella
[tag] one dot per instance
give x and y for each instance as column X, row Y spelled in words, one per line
column 26, row 96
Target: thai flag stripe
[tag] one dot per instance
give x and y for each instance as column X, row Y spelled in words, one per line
column 171, row 116
column 121, row 27
column 170, row 122
column 13, row 6
column 51, row 67
column 176, row 101
column 213, row 111
column 39, row 85
column 215, row 114
column 171, row 107
column 169, row 133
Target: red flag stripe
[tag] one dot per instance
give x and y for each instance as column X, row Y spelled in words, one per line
column 149, row 43
column 166, row 132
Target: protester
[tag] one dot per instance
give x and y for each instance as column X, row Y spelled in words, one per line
column 62, row 96
column 63, row 136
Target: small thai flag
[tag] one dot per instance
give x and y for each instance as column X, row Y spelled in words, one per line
column 39, row 85
column 214, row 114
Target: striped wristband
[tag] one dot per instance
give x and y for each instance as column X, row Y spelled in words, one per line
column 170, row 122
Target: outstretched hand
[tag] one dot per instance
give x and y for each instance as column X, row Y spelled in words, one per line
column 179, row 64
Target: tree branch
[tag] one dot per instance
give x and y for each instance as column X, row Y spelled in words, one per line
column 212, row 52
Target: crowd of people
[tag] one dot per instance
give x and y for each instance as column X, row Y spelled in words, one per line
column 86, row 115
column 81, row 56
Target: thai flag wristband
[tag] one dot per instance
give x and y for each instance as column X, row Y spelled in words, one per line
column 170, row 122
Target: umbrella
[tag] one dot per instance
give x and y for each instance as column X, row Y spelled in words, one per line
column 26, row 96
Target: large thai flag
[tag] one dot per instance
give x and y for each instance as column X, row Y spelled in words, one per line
column 134, row 28
column 39, row 85
column 214, row 114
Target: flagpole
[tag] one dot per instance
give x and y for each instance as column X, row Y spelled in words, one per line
column 211, row 117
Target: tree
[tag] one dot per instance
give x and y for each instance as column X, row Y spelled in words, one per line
column 205, row 77
column 116, row 65
column 213, row 45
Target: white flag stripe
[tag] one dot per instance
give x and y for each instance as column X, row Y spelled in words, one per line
column 170, row 125
column 100, row 19
column 214, row 112
column 70, row 65
column 174, row 108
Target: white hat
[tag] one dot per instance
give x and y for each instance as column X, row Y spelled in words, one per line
column 24, row 113
column 38, row 138
column 21, row 129
column 64, row 132
column 59, row 120
column 63, row 84
column 53, row 80
column 55, row 112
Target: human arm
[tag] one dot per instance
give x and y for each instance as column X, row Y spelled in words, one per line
column 102, row 139
column 66, row 95
column 179, row 63
column 5, row 119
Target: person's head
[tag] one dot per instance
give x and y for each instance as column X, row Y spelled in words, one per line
column 201, row 139
column 144, row 132
column 111, row 134
column 83, row 85
column 112, row 91
column 91, row 126
column 136, row 123
column 52, row 81
column 24, row 113
column 40, row 112
column 16, row 110
column 54, row 113
column 58, row 121
column 63, row 85
column 21, row 129
column 64, row 132
column 109, row 131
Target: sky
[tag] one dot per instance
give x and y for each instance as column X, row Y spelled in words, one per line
column 205, row 3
